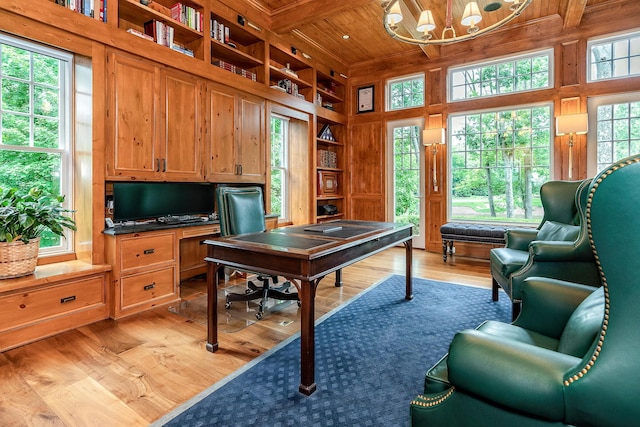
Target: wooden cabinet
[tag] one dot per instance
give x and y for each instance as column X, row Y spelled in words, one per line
column 59, row 297
column 236, row 136
column 144, row 270
column 154, row 128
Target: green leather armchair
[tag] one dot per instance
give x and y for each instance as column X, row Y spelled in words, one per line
column 571, row 357
column 558, row 248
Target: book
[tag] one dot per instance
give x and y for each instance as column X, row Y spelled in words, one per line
column 323, row 228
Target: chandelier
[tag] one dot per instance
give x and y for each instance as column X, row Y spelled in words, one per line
column 470, row 18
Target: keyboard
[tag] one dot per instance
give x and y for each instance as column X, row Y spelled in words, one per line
column 179, row 219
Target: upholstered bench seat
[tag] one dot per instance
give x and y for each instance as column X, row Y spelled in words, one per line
column 469, row 232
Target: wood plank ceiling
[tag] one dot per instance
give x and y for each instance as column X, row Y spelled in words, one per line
column 324, row 23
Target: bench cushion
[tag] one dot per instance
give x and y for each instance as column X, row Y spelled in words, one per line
column 469, row 232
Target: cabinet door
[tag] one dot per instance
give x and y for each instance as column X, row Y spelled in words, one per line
column 222, row 118
column 251, row 141
column 182, row 129
column 132, row 150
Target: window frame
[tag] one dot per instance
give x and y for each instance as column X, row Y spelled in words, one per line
column 549, row 52
column 450, row 171
column 66, row 137
column 404, row 79
column 285, row 215
column 592, row 136
column 611, row 38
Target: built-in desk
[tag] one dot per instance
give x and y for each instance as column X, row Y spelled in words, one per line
column 150, row 259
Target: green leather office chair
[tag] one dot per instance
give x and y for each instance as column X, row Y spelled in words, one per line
column 558, row 248
column 241, row 211
column 571, row 357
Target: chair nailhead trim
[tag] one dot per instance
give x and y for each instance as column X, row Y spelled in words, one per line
column 607, row 306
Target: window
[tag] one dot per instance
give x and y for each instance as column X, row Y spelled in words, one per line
column 614, row 57
column 617, row 130
column 405, row 92
column 499, row 159
column 279, row 166
column 521, row 73
column 35, row 141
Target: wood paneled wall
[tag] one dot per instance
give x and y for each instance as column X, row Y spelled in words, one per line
column 569, row 95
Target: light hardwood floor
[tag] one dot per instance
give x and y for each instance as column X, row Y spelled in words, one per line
column 132, row 371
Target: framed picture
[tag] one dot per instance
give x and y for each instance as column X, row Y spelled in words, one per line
column 327, row 183
column 365, row 99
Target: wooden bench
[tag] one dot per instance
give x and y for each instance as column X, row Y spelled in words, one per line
column 471, row 233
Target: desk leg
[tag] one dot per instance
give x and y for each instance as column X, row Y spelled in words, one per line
column 307, row 294
column 339, row 278
column 212, row 305
column 408, row 245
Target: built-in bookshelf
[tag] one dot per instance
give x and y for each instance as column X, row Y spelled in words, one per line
column 92, row 8
column 290, row 73
column 237, row 47
column 178, row 26
column 330, row 90
column 330, row 178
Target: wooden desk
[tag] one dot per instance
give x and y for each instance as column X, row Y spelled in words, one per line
column 304, row 257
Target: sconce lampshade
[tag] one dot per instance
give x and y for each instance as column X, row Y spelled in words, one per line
column 471, row 14
column 572, row 123
column 433, row 136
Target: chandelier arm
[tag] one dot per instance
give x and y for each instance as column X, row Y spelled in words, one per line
column 454, row 39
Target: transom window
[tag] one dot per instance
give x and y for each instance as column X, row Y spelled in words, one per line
column 34, row 123
column 516, row 74
column 405, row 92
column 499, row 159
column 614, row 57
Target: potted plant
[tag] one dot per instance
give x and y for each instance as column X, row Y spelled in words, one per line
column 24, row 216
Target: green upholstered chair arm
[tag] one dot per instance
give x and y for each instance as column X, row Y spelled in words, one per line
column 512, row 374
column 519, row 238
column 548, row 304
column 559, row 251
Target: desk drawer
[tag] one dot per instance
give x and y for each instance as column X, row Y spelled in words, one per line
column 146, row 251
column 141, row 288
column 22, row 308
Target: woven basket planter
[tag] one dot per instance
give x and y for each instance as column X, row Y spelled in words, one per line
column 18, row 258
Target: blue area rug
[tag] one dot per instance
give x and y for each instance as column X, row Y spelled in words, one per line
column 371, row 357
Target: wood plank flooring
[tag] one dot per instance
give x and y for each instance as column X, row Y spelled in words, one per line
column 132, row 371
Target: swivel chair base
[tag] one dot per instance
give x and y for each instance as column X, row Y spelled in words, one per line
column 263, row 293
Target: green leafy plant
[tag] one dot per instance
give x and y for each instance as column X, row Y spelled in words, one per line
column 24, row 216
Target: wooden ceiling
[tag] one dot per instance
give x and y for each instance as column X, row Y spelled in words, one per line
column 323, row 24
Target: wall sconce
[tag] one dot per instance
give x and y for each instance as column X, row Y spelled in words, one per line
column 432, row 138
column 572, row 124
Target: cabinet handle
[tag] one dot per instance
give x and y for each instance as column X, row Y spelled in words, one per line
column 150, row 286
column 240, row 168
column 158, row 165
column 67, row 299
column 149, row 251
column 164, row 165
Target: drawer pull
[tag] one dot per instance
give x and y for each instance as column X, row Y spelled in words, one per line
column 149, row 251
column 67, row 299
column 150, row 286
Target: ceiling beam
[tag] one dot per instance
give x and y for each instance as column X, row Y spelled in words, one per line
column 573, row 15
column 302, row 12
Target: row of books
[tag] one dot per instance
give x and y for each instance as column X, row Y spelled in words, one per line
column 162, row 34
column 86, row 7
column 237, row 70
column 188, row 16
column 327, row 159
column 220, row 32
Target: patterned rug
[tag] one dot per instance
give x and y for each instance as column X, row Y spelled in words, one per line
column 371, row 357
